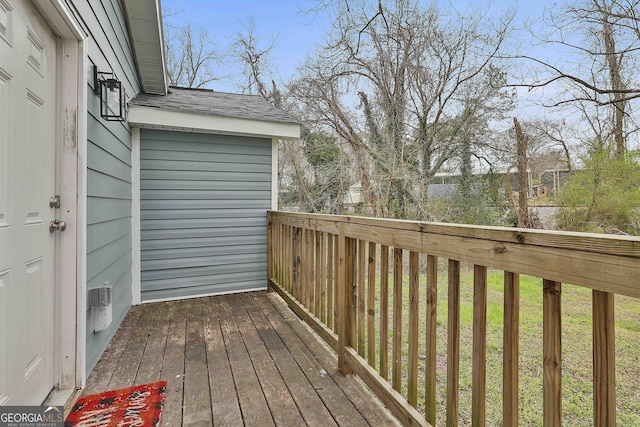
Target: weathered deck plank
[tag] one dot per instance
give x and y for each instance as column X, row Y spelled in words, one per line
column 173, row 364
column 276, row 392
column 99, row 378
column 151, row 365
column 129, row 363
column 234, row 360
column 197, row 404
column 303, row 391
column 255, row 411
column 224, row 401
column 367, row 405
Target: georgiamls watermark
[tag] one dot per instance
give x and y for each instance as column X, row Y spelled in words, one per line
column 31, row 416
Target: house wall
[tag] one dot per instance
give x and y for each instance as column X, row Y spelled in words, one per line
column 108, row 167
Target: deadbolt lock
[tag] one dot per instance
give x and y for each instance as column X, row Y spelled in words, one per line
column 54, row 202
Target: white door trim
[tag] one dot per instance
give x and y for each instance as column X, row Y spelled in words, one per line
column 72, row 133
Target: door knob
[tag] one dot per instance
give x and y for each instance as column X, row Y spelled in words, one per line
column 57, row 225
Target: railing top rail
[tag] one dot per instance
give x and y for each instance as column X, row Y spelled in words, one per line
column 619, row 245
column 601, row 262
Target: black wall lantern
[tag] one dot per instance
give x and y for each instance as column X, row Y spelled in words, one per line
column 112, row 96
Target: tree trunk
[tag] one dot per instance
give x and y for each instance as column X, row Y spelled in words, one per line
column 616, row 84
column 523, row 201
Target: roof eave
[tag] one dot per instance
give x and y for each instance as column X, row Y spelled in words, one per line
column 144, row 19
column 157, row 118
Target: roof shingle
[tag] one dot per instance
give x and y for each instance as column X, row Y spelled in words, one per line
column 206, row 101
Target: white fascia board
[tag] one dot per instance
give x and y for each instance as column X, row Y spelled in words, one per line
column 162, row 47
column 155, row 118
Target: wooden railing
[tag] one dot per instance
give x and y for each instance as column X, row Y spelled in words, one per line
column 335, row 272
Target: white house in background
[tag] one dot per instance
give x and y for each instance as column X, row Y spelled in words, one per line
column 159, row 205
column 355, row 193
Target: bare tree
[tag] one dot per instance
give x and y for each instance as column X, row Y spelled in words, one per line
column 408, row 65
column 191, row 54
column 254, row 60
column 603, row 41
column 549, row 145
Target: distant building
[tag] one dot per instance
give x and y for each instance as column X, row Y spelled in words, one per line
column 554, row 179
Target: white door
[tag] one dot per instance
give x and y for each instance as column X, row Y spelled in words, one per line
column 27, row 180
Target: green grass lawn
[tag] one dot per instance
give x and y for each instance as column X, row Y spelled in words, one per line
column 576, row 350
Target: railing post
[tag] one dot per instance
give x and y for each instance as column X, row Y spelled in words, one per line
column 552, row 353
column 604, row 367
column 344, row 301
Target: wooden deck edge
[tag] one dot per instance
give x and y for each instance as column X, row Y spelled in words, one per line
column 399, row 407
column 325, row 333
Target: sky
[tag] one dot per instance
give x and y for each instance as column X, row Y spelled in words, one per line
column 296, row 33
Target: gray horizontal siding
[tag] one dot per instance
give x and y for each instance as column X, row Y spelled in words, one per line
column 203, row 201
column 109, row 256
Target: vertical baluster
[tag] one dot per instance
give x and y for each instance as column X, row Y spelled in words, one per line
column 371, row 305
column 360, row 296
column 479, row 346
column 552, row 354
column 412, row 370
column 290, row 260
column 323, row 277
column 331, row 272
column 604, row 367
column 352, row 244
column 384, row 311
column 511, row 353
column 317, row 293
column 300, row 234
column 397, row 319
column 336, row 281
column 343, row 293
column 453, row 343
column 310, row 270
column 297, row 235
column 430, row 339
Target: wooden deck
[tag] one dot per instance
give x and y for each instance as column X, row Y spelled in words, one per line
column 234, row 360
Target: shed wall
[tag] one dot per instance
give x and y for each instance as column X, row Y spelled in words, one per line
column 203, row 203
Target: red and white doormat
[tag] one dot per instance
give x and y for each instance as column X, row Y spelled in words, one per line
column 138, row 406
